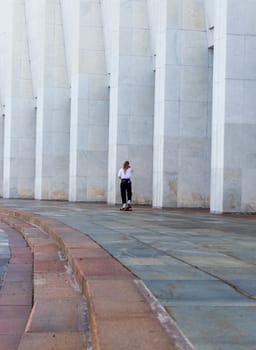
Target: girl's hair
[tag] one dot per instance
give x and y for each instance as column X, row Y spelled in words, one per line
column 126, row 165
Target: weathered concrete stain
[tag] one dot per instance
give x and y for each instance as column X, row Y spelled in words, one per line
column 193, row 199
column 173, row 187
column 25, row 193
column 198, row 197
column 57, row 195
column 142, row 200
column 96, row 194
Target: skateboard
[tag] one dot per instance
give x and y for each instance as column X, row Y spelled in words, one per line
column 127, row 208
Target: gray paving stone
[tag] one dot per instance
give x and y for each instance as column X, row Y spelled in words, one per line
column 194, row 291
column 223, row 327
column 4, row 254
column 233, row 273
column 248, row 286
column 161, row 271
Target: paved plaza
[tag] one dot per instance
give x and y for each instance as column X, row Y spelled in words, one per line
column 200, row 267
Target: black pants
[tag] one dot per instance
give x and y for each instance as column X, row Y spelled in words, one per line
column 126, row 190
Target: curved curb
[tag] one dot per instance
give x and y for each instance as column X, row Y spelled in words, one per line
column 121, row 314
column 56, row 315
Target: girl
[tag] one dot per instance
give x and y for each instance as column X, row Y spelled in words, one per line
column 124, row 175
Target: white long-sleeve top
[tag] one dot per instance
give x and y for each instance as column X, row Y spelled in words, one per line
column 125, row 175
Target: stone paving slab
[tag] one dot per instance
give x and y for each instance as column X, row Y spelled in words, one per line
column 4, row 252
column 219, row 319
column 101, row 267
column 17, row 275
column 172, row 292
column 16, row 311
column 129, row 333
column 56, row 314
column 116, row 298
column 52, row 341
column 9, row 342
column 163, row 272
column 123, row 318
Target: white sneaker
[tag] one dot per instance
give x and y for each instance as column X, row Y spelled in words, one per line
column 123, row 207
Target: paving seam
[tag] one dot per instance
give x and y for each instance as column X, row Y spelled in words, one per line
column 228, row 283
column 100, row 272
column 168, row 323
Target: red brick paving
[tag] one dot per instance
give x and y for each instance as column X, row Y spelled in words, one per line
column 46, row 320
column 8, row 342
column 48, row 266
column 52, row 341
column 131, row 333
column 98, row 267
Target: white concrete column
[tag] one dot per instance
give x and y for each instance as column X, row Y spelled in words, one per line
column 1, row 146
column 71, row 27
column 19, row 121
column 131, row 100
column 194, row 129
column 181, row 135
column 158, row 16
column 51, row 87
column 69, row 10
column 5, row 30
column 89, row 105
column 234, row 108
column 218, row 109
column 111, row 22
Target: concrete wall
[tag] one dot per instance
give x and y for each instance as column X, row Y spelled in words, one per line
column 19, row 119
column 131, row 98
column 52, row 92
column 89, row 105
column 168, row 85
column 234, row 108
column 182, row 121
